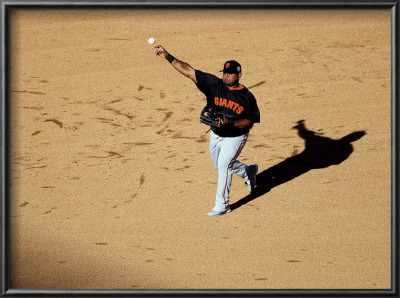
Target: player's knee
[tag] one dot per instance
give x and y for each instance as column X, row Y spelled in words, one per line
column 224, row 166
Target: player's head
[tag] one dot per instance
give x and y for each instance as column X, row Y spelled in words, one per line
column 231, row 73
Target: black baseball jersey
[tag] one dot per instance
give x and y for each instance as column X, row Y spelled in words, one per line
column 238, row 103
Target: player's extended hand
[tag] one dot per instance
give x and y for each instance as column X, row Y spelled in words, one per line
column 160, row 51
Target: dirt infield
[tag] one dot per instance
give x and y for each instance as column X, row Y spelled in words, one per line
column 110, row 176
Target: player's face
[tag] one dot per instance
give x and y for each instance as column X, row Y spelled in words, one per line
column 231, row 79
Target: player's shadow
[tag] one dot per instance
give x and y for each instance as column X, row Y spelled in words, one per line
column 320, row 152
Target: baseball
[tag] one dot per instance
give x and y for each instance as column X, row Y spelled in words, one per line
column 151, row 40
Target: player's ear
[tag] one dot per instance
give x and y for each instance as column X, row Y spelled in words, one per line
column 239, row 75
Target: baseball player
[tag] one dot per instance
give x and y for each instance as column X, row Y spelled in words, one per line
column 238, row 111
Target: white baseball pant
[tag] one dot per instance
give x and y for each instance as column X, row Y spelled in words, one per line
column 223, row 152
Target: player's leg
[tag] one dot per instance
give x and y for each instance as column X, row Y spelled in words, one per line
column 229, row 150
column 239, row 169
column 248, row 173
column 214, row 148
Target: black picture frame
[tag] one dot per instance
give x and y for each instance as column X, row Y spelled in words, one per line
column 5, row 8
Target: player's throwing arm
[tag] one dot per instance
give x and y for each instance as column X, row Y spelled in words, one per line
column 180, row 66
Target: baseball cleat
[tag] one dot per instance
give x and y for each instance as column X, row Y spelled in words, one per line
column 216, row 211
column 251, row 183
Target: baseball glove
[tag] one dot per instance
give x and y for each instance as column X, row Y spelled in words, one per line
column 210, row 117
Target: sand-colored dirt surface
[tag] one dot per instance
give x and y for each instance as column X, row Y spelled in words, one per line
column 111, row 180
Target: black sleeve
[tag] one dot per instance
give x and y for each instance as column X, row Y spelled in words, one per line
column 205, row 81
column 253, row 113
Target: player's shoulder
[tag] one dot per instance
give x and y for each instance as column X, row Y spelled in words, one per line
column 247, row 92
column 206, row 79
column 205, row 74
